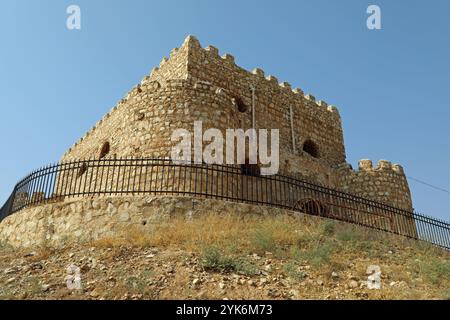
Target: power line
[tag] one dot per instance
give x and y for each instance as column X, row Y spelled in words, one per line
column 429, row 185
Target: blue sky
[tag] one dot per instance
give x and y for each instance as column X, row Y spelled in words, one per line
column 391, row 85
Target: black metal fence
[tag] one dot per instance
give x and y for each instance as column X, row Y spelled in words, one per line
column 233, row 183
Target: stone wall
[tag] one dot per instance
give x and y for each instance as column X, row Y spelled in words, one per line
column 85, row 219
column 385, row 183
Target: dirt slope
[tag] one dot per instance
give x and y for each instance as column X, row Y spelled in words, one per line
column 228, row 257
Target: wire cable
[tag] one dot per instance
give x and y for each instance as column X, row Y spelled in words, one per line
column 429, row 185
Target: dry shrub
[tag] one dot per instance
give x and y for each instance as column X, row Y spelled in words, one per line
column 214, row 259
column 212, row 229
column 320, row 242
column 242, row 233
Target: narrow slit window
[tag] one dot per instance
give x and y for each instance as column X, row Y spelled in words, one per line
column 104, row 150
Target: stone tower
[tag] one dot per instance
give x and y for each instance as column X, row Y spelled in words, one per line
column 196, row 83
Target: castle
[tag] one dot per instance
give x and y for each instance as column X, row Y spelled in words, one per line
column 197, row 84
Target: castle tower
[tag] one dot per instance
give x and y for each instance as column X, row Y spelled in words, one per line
column 198, row 84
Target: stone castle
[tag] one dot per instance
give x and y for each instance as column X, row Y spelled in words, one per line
column 194, row 84
column 197, row 83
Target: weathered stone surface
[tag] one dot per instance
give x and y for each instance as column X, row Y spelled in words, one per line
column 24, row 230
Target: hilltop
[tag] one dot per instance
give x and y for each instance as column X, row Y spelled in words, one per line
column 232, row 257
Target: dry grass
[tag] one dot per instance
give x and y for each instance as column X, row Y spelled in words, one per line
column 227, row 231
column 276, row 234
column 226, row 241
column 299, row 249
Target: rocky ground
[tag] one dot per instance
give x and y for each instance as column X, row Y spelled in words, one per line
column 149, row 268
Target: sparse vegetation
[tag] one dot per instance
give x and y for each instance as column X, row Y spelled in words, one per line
column 262, row 240
column 349, row 235
column 292, row 270
column 242, row 250
column 213, row 259
column 319, row 255
column 329, row 227
column 432, row 268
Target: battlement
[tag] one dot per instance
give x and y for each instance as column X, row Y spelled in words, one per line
column 366, row 165
column 385, row 182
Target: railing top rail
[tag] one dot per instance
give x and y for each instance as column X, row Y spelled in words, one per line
column 124, row 162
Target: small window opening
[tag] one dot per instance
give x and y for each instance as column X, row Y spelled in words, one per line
column 105, row 150
column 248, row 169
column 311, row 148
column 240, row 105
column 82, row 170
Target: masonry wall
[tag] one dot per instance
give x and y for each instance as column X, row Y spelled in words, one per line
column 174, row 67
column 85, row 218
column 385, row 183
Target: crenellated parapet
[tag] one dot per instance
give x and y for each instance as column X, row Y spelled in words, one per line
column 382, row 165
column 273, row 102
column 385, row 182
column 191, row 60
column 255, row 76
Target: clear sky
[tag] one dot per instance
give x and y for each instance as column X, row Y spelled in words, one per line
column 392, row 86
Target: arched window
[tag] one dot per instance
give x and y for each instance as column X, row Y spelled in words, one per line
column 313, row 207
column 105, row 150
column 240, row 105
column 311, row 148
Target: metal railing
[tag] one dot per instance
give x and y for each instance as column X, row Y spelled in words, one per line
column 233, row 183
